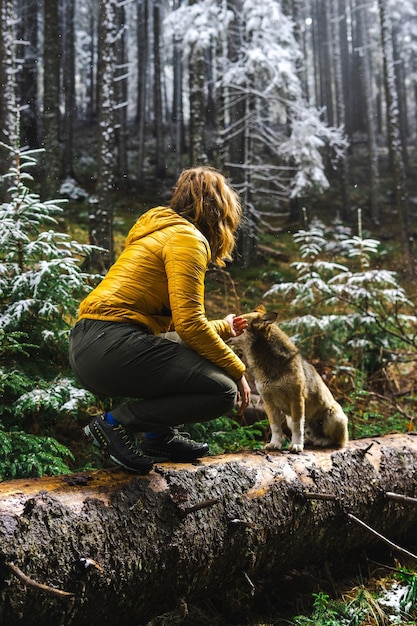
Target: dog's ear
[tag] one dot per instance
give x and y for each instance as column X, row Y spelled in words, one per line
column 270, row 318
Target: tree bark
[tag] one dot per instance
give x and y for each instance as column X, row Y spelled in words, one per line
column 337, row 16
column 27, row 78
column 197, row 81
column 365, row 65
column 121, row 97
column 8, row 112
column 159, row 118
column 101, row 220
column 142, row 94
column 126, row 549
column 52, row 161
column 399, row 182
column 69, row 88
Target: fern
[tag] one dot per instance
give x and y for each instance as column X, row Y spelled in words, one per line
column 225, row 434
column 24, row 455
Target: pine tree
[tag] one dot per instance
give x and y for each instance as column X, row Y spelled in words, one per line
column 342, row 307
column 41, row 284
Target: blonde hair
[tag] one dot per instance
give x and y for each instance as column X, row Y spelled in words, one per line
column 203, row 196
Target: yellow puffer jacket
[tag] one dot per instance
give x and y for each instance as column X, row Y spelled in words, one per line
column 158, row 281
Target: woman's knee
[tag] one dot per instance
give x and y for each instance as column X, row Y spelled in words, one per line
column 228, row 397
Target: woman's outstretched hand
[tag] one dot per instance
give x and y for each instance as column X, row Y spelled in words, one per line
column 237, row 324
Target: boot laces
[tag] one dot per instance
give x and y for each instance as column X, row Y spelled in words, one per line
column 128, row 439
column 180, row 436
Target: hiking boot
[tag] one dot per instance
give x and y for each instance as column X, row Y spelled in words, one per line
column 174, row 446
column 119, row 444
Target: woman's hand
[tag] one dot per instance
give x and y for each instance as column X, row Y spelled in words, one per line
column 237, row 324
column 244, row 392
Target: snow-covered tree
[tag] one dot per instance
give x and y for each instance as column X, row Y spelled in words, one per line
column 343, row 306
column 282, row 138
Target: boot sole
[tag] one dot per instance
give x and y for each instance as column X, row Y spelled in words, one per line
column 173, row 458
column 145, row 470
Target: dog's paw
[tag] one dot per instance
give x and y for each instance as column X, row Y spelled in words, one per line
column 296, row 447
column 272, row 445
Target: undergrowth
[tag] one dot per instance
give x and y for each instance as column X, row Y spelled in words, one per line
column 392, row 601
column 226, row 434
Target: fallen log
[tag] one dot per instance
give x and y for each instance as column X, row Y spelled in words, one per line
column 112, row 548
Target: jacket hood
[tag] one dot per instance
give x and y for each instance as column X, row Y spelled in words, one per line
column 153, row 220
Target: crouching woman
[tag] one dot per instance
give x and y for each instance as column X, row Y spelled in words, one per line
column 118, row 346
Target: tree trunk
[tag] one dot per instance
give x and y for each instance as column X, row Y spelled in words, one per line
column 8, row 117
column 198, row 154
column 177, row 101
column 92, row 73
column 143, row 55
column 52, row 162
column 101, row 221
column 362, row 21
column 157, row 93
column 128, row 548
column 27, row 77
column 69, row 89
column 399, row 183
column 121, row 130
column 342, row 164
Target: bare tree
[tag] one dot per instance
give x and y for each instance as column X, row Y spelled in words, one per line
column 69, row 87
column 336, row 17
column 29, row 14
column 362, row 27
column 177, row 101
column 8, row 118
column 101, row 226
column 159, row 117
column 122, row 71
column 92, row 71
column 400, row 193
column 234, row 100
column 52, row 162
column 197, row 82
column 143, row 72
column 323, row 50
column 197, row 109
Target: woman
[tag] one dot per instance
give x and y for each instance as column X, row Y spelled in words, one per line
column 118, row 346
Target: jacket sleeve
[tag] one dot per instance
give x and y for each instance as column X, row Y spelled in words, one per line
column 222, row 328
column 186, row 257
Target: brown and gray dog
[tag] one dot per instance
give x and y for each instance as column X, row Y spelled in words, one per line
column 290, row 387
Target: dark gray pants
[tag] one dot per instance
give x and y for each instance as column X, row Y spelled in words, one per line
column 169, row 383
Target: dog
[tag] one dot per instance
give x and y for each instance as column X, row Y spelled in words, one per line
column 291, row 389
